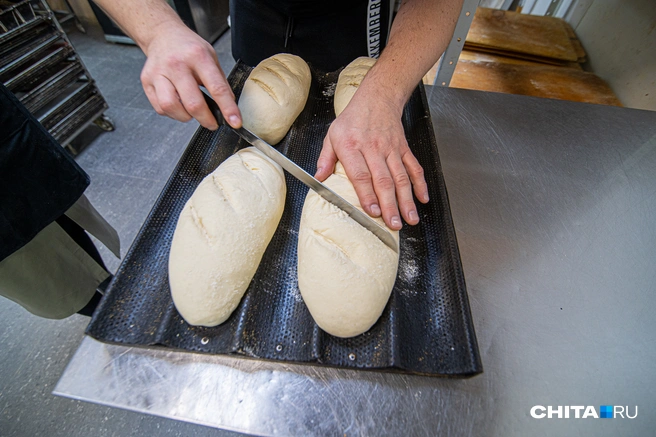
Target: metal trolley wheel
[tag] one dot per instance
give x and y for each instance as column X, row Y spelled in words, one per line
column 105, row 123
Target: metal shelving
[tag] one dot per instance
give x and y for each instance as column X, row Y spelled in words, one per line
column 41, row 67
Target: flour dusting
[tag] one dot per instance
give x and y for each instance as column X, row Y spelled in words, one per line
column 330, row 90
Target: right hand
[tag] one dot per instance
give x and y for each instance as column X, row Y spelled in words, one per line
column 178, row 62
column 368, row 139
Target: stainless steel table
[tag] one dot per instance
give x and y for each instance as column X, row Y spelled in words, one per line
column 554, row 205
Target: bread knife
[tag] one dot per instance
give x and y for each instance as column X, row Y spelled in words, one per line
column 360, row 217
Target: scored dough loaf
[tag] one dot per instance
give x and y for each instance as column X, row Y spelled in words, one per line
column 221, row 235
column 274, row 95
column 349, row 80
column 345, row 273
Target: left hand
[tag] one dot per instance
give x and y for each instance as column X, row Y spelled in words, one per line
column 368, row 139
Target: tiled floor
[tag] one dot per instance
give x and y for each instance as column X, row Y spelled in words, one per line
column 128, row 168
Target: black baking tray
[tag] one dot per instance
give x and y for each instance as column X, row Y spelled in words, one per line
column 426, row 327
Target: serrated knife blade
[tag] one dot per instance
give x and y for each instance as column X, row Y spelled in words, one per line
column 358, row 216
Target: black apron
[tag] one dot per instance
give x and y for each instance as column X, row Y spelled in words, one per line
column 326, row 34
column 48, row 263
column 39, row 180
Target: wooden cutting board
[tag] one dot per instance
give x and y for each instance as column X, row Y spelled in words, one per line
column 517, row 55
column 476, row 56
column 576, row 44
column 544, row 37
column 533, row 80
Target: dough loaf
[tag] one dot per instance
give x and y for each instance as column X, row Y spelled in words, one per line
column 349, row 80
column 274, row 95
column 222, row 234
column 345, row 273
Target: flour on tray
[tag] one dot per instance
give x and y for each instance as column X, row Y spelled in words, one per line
column 330, row 90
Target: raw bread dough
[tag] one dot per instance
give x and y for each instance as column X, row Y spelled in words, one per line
column 274, row 95
column 349, row 80
column 222, row 234
column 345, row 273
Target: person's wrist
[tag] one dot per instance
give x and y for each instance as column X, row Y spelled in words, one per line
column 167, row 27
column 379, row 99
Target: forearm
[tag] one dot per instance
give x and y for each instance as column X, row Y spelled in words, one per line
column 141, row 19
column 420, row 33
column 367, row 137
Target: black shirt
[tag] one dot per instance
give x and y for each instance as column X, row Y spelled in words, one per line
column 326, row 34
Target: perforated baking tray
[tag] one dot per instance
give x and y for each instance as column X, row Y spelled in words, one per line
column 426, row 327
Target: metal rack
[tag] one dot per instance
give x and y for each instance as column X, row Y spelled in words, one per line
column 40, row 66
column 67, row 14
column 448, row 61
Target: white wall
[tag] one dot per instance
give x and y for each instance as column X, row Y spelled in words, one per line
column 619, row 37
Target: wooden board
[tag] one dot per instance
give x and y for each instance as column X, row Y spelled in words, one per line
column 576, row 44
column 544, row 37
column 524, row 56
column 476, row 56
column 429, row 77
column 533, row 80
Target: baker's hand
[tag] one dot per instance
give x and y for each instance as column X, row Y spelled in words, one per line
column 178, row 62
column 368, row 139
